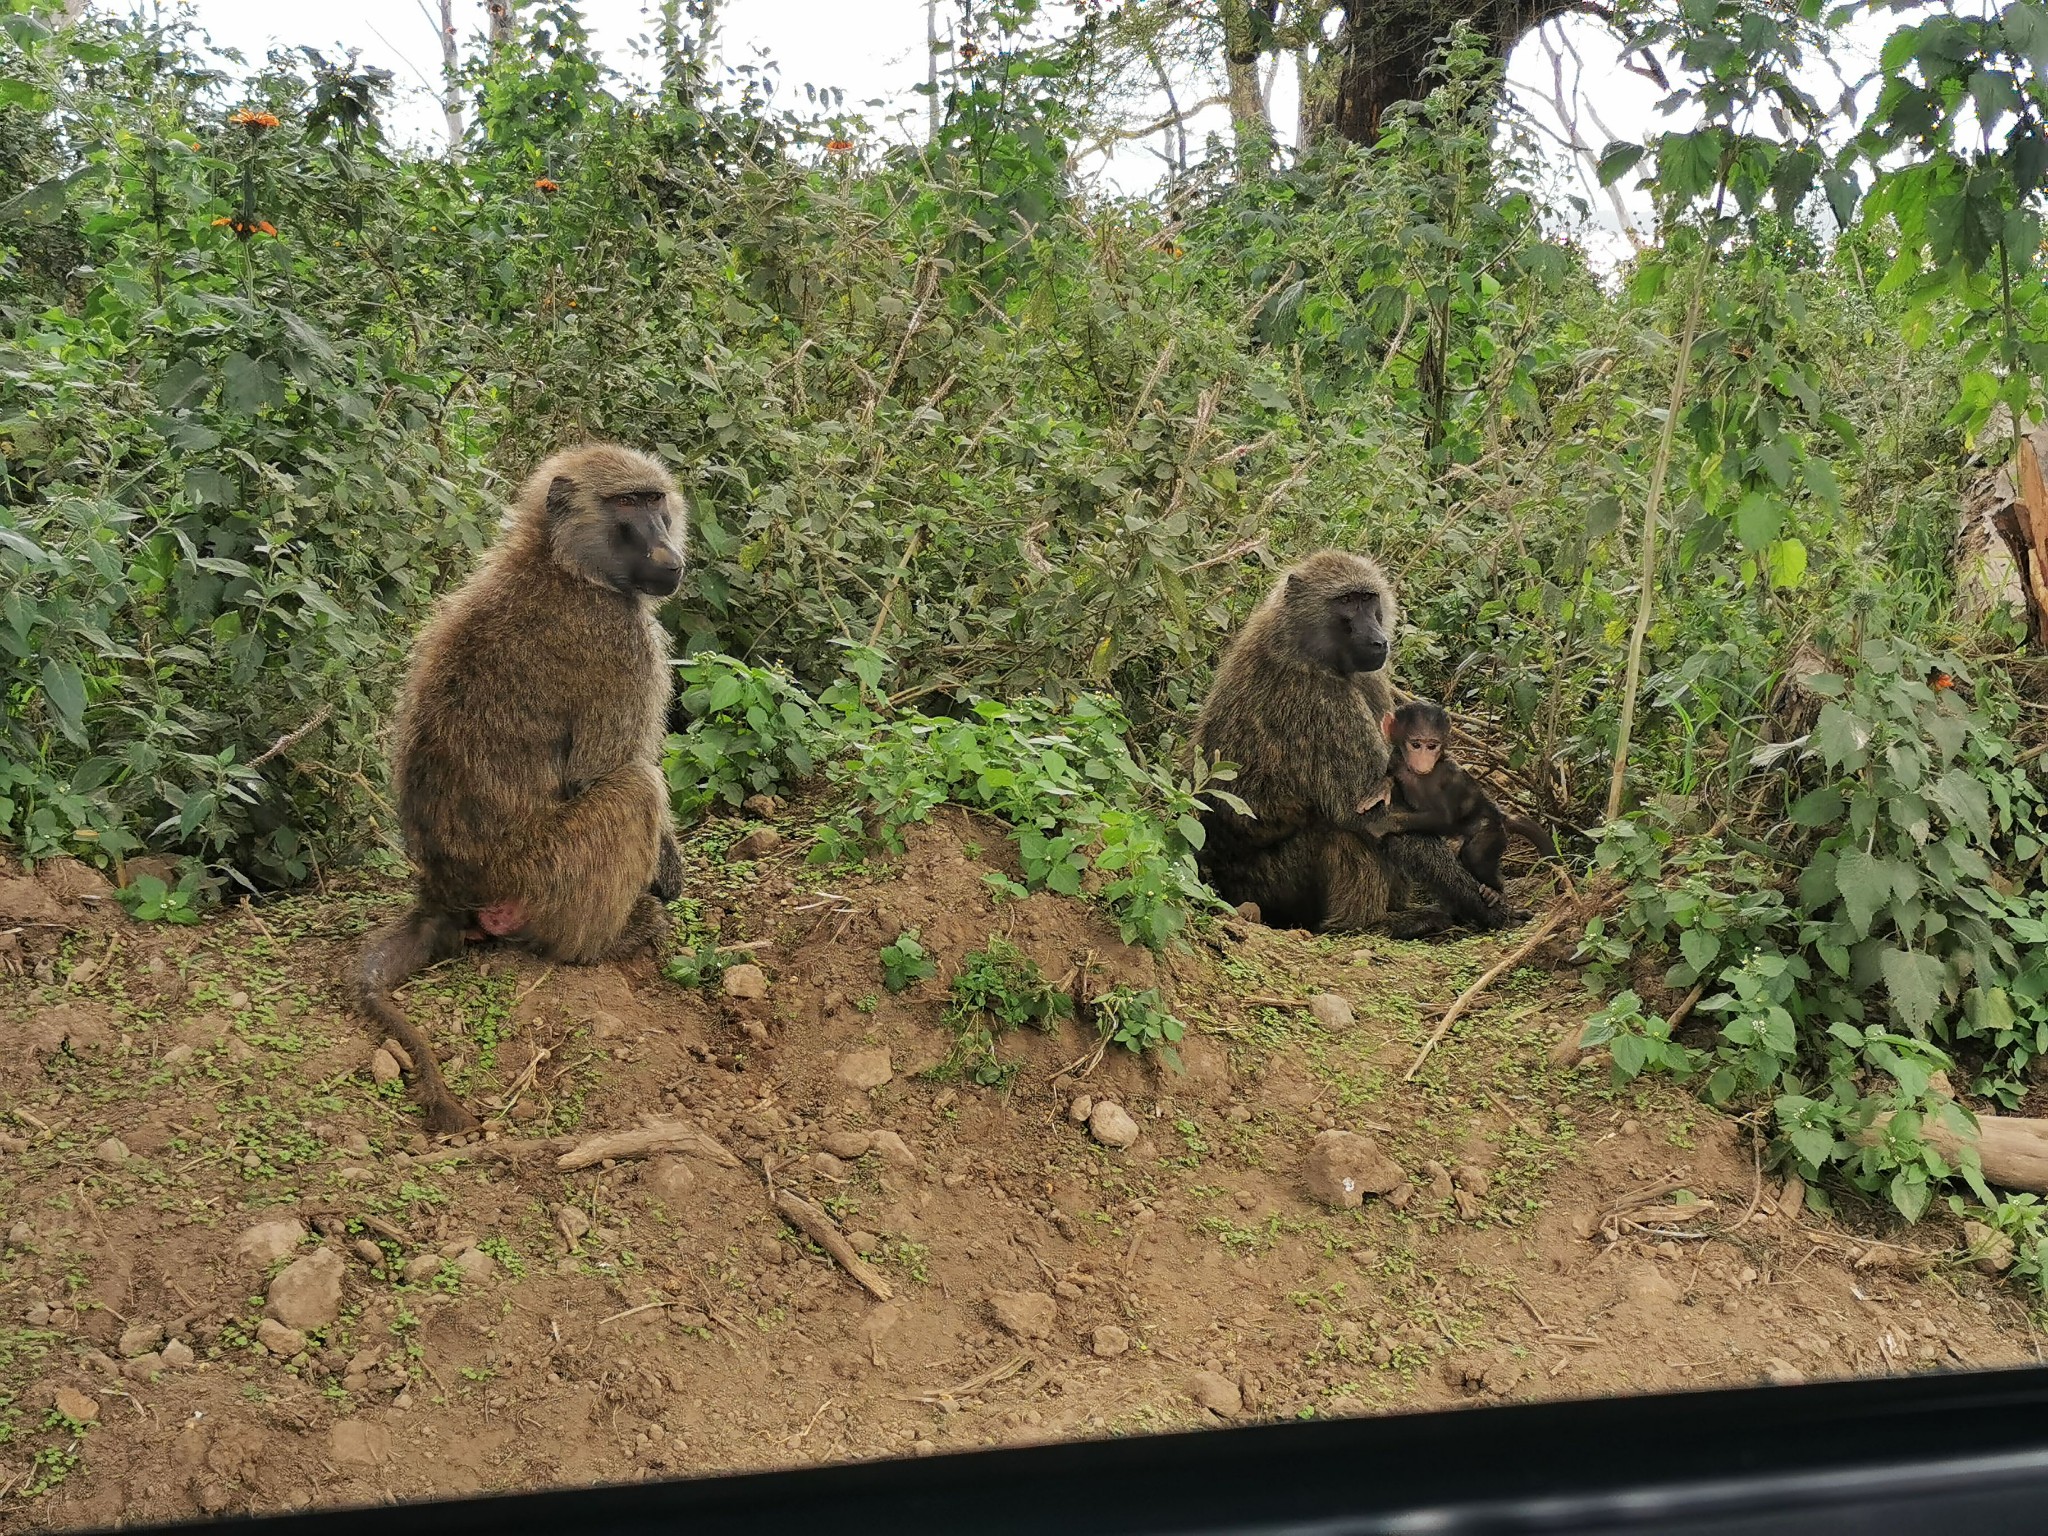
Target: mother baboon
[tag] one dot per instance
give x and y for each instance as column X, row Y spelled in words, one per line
column 1297, row 706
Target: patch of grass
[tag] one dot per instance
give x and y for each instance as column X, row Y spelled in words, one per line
column 999, row 990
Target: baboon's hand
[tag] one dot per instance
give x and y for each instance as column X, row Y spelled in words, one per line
column 668, row 867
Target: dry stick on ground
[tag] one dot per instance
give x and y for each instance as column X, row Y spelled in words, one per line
column 648, row 1141
column 817, row 1226
column 1521, row 952
column 291, row 739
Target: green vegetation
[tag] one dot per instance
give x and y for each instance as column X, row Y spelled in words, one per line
column 998, row 990
column 982, row 472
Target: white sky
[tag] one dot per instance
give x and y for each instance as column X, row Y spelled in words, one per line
column 875, row 51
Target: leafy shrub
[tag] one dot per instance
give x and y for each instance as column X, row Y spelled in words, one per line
column 751, row 732
column 997, row 990
column 1902, row 933
column 1138, row 1021
column 906, row 962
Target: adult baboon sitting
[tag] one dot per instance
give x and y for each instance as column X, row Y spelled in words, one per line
column 1297, row 706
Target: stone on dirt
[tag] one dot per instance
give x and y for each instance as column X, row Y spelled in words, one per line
column 1217, row 1393
column 1024, row 1314
column 268, row 1241
column 745, row 983
column 1344, row 1167
column 474, row 1266
column 1989, row 1249
column 864, row 1069
column 383, row 1069
column 140, row 1339
column 1082, row 1107
column 112, row 1150
column 849, row 1144
column 1109, row 1341
column 307, row 1292
column 1112, row 1125
column 571, row 1223
column 669, row 1180
column 178, row 1354
column 1781, row 1373
column 891, row 1148
column 76, row 1406
column 358, row 1443
column 1331, row 1010
column 757, row 844
column 279, row 1339
column 422, row 1267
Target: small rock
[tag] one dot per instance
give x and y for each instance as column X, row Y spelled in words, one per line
column 669, row 1180
column 1495, row 1375
column 757, row 844
column 307, row 1293
column 1792, row 1198
column 1109, row 1124
column 397, row 1053
column 864, row 1069
column 1066, row 1290
column 866, row 1244
column 923, row 1448
column 268, row 1241
column 140, row 1339
column 1989, row 1249
column 1024, row 1314
column 1249, row 911
column 177, row 1354
column 358, row 1443
column 1469, row 1206
column 179, row 1054
column 891, row 1148
column 38, row 1314
column 112, row 1150
column 763, row 806
column 474, row 1266
column 1079, row 1111
column 1780, row 1373
column 279, row 1339
column 1217, row 1393
column 1109, row 1341
column 368, row 1252
column 237, row 1001
column 1471, row 1176
column 357, row 1143
column 1331, row 1010
column 1238, row 1114
column 1343, row 1167
column 826, row 1166
column 746, row 983
column 571, row 1223
column 383, row 1069
column 143, row 1367
column 771, row 1248
column 1246, row 1200
column 422, row 1267
column 848, row 1144
column 1631, row 1128
column 76, row 1406
column 1440, row 1186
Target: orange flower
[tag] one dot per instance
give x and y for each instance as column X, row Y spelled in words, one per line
column 544, row 184
column 1942, row 680
column 254, row 120
column 839, row 147
column 266, row 227
column 218, row 222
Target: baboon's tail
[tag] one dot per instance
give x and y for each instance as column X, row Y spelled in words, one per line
column 389, row 957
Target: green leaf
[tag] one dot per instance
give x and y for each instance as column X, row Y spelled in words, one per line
column 1785, row 559
column 1814, row 1143
column 1757, row 520
column 1866, row 887
column 1603, row 516
column 1818, row 808
column 1910, row 1192
column 1965, row 801
column 1617, row 160
column 250, row 385
column 1699, row 948
column 64, row 687
column 1915, row 981
column 1842, row 192
column 1841, row 737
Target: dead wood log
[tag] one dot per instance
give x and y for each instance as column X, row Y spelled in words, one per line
column 650, row 1140
column 817, row 1226
column 2011, row 1150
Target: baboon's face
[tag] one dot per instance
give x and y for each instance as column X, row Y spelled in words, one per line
column 1417, row 734
column 629, row 539
column 648, row 551
column 1350, row 634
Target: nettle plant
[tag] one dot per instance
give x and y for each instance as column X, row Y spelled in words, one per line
column 1895, row 946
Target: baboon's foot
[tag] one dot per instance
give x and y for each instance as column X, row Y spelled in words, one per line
column 445, row 1117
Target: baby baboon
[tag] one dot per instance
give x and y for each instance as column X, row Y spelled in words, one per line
column 527, row 746
column 1296, row 706
column 1425, row 792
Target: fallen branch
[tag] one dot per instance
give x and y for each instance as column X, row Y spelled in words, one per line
column 2011, row 1150
column 1457, row 1009
column 651, row 1140
column 817, row 1226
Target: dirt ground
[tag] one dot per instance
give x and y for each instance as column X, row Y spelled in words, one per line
column 236, row 1277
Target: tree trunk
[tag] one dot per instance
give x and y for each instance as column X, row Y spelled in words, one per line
column 451, row 81
column 1384, row 49
column 1247, row 31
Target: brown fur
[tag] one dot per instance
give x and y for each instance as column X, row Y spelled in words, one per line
column 1306, row 739
column 527, row 746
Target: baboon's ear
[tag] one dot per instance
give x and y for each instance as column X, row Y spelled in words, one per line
column 1387, row 725
column 1293, row 585
column 561, row 498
